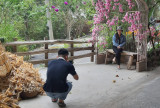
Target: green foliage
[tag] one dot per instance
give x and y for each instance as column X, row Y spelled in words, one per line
column 157, row 45
column 153, row 7
column 109, row 44
column 71, row 18
column 24, row 19
column 22, row 48
column 90, row 22
column 8, row 32
column 66, row 46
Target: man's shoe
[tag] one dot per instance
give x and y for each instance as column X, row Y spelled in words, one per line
column 54, row 100
column 61, row 104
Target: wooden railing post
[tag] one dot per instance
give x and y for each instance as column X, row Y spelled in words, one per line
column 14, row 48
column 92, row 57
column 46, row 53
column 72, row 52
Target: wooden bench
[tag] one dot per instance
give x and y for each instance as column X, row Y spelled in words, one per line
column 132, row 57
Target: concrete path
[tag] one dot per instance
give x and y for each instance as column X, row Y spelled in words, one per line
column 95, row 89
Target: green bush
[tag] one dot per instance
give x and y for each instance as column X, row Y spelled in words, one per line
column 66, row 46
column 22, row 48
column 8, row 32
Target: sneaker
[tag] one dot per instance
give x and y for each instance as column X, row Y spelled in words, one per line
column 54, row 100
column 61, row 104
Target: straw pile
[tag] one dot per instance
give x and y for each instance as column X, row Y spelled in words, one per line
column 16, row 77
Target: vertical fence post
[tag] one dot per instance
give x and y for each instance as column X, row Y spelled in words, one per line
column 46, row 53
column 72, row 52
column 14, row 48
column 92, row 57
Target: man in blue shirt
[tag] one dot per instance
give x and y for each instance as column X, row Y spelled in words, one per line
column 56, row 85
column 119, row 41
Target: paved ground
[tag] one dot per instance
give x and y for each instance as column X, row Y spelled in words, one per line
column 95, row 89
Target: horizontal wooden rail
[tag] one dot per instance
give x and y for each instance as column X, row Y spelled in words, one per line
column 46, row 49
column 70, row 58
column 53, row 51
column 44, row 42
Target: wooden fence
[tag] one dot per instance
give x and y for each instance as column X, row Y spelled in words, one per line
column 46, row 49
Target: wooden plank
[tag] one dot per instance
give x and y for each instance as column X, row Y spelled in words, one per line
column 46, row 54
column 71, row 52
column 40, row 61
column 14, row 47
column 123, row 53
column 44, row 42
column 157, row 21
column 52, row 51
column 108, row 58
column 92, row 57
column 32, row 52
column 70, row 58
column 130, row 62
column 81, row 56
column 141, row 66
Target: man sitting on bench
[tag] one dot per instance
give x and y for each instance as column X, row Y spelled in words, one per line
column 119, row 41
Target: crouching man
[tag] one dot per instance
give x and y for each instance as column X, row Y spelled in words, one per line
column 57, row 87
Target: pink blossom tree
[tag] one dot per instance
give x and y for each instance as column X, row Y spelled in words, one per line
column 106, row 13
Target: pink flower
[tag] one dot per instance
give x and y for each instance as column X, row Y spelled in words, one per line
column 130, row 4
column 137, row 14
column 140, row 26
column 53, row 7
column 101, row 44
column 89, row 40
column 84, row 3
column 116, row 0
column 66, row 3
column 93, row 2
column 123, row 21
column 114, row 8
column 108, row 22
column 56, row 10
column 126, row 17
column 120, row 8
column 115, row 4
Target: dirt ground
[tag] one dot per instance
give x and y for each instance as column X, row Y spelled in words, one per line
column 96, row 89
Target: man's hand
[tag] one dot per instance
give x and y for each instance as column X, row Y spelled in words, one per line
column 118, row 47
column 76, row 77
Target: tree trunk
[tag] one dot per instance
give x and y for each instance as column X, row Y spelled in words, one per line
column 69, row 32
column 69, row 29
column 69, row 22
column 142, row 44
column 26, row 25
column 49, row 22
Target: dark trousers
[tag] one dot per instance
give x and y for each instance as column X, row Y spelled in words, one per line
column 118, row 54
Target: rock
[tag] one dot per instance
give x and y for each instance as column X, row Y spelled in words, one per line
column 117, row 75
column 114, row 81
